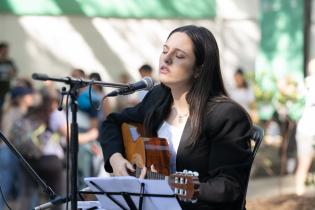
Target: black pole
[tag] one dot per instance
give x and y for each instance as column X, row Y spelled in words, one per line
column 74, row 145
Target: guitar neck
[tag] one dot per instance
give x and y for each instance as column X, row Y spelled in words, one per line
column 150, row 174
column 184, row 184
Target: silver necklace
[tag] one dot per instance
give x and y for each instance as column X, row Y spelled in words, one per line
column 181, row 118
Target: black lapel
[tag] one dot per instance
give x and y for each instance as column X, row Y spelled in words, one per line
column 185, row 137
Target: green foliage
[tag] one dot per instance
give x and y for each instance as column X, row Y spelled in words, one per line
column 274, row 94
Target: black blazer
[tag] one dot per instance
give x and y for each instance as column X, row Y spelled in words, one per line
column 221, row 156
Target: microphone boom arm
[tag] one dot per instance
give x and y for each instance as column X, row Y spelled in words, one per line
column 82, row 82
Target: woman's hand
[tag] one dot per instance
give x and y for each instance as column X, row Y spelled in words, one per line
column 120, row 165
column 144, row 171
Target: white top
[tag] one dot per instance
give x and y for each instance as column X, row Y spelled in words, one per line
column 57, row 120
column 306, row 123
column 141, row 94
column 173, row 135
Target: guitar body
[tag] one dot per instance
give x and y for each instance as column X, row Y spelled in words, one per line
column 142, row 151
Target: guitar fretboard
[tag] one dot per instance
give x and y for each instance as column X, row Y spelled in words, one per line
column 150, row 174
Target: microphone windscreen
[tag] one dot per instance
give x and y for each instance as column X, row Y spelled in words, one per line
column 37, row 76
column 150, row 83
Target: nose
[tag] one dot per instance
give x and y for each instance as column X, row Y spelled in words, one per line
column 168, row 58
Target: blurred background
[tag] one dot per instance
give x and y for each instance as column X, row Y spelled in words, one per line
column 267, row 50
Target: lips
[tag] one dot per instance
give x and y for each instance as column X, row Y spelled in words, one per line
column 164, row 70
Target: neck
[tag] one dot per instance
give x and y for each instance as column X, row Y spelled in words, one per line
column 179, row 100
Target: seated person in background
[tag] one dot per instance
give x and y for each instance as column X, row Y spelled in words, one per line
column 242, row 93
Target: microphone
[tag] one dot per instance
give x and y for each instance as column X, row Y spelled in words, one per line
column 42, row 77
column 56, row 201
column 145, row 84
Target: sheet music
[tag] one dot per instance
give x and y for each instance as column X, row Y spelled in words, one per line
column 86, row 205
column 133, row 185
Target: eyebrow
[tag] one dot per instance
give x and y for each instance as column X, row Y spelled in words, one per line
column 165, row 45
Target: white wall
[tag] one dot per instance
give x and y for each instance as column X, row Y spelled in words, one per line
column 240, row 35
column 56, row 45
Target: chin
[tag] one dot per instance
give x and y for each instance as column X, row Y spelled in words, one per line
column 163, row 79
column 167, row 83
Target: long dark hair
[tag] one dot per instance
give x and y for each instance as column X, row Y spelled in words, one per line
column 207, row 83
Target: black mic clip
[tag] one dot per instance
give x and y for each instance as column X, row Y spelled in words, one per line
column 127, row 90
column 62, row 93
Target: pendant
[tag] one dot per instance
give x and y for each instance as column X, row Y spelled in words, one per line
column 180, row 120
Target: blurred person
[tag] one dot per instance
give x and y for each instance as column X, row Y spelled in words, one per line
column 86, row 114
column 100, row 93
column 145, row 71
column 78, row 73
column 24, row 82
column 46, row 124
column 242, row 93
column 8, row 71
column 207, row 132
column 286, row 104
column 48, row 127
column 305, row 134
column 124, row 101
column 87, row 118
column 21, row 98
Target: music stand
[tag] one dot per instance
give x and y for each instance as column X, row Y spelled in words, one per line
column 130, row 193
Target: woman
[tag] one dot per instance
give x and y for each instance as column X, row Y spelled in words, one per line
column 305, row 135
column 242, row 93
column 47, row 127
column 21, row 98
column 207, row 131
column 44, row 123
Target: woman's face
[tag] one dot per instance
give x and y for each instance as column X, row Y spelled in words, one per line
column 177, row 61
column 239, row 80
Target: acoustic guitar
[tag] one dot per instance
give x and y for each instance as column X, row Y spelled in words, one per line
column 144, row 152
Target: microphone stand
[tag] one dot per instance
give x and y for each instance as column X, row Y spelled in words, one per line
column 75, row 85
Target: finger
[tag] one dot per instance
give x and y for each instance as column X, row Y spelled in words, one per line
column 143, row 173
column 124, row 172
column 153, row 169
column 130, row 166
column 120, row 171
column 116, row 173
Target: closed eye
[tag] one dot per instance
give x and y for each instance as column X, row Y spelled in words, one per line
column 165, row 49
